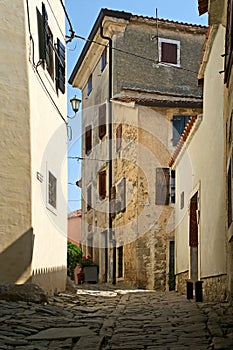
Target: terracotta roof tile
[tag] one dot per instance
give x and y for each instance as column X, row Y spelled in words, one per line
column 75, row 214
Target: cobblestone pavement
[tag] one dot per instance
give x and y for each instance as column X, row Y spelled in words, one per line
column 95, row 318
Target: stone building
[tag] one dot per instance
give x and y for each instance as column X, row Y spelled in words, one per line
column 33, row 234
column 138, row 77
column 200, row 212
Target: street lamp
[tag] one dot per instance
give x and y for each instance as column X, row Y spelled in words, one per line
column 75, row 104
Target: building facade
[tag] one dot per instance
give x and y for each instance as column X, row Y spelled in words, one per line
column 138, row 81
column 33, row 192
column 200, row 174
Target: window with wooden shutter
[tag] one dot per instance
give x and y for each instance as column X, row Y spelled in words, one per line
column 169, row 53
column 229, row 42
column 193, row 225
column 173, row 186
column 179, row 123
column 118, row 137
column 88, row 139
column 121, row 189
column 113, row 202
column 52, row 190
column 102, row 121
column 89, row 85
column 89, row 197
column 162, row 186
column 102, row 184
column 60, row 66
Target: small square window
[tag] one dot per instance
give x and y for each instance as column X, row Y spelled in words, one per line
column 89, row 85
column 169, row 51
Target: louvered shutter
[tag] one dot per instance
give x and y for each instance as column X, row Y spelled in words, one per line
column 169, row 53
column 102, row 184
column 113, row 202
column 118, row 137
column 46, row 34
column 229, row 42
column 60, row 66
column 88, row 139
column 102, row 121
column 193, row 226
column 162, row 186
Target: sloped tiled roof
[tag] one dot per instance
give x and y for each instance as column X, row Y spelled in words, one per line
column 183, row 138
column 75, row 214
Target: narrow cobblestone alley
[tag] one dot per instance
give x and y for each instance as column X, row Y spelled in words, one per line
column 97, row 318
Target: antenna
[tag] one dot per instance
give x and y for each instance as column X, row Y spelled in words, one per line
column 157, row 32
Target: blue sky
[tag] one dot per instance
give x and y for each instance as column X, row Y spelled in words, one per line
column 83, row 15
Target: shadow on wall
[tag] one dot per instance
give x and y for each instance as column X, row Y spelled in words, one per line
column 15, row 260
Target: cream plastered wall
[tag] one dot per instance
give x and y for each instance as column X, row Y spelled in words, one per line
column 48, row 151
column 201, row 168
column 15, row 191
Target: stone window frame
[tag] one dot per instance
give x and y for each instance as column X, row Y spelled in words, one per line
column 168, row 41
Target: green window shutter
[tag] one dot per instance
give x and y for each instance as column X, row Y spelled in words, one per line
column 60, row 66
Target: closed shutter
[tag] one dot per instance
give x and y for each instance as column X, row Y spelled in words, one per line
column 162, row 186
column 89, row 198
column 102, row 121
column 229, row 42
column 102, row 184
column 122, row 194
column 193, row 226
column 113, row 202
column 118, row 137
column 60, row 66
column 88, row 139
column 169, row 53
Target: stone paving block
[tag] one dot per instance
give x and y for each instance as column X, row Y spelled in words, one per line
column 93, row 343
column 62, row 333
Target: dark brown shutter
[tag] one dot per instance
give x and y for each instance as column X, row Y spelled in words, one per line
column 193, row 226
column 118, row 137
column 162, row 186
column 102, row 184
column 89, row 199
column 113, row 202
column 169, row 53
column 229, row 42
column 102, row 121
column 46, row 34
column 60, row 66
column 88, row 139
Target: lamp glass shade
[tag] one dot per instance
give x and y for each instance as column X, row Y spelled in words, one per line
column 75, row 103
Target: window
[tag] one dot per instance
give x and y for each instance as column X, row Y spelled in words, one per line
column 89, row 85
column 173, row 186
column 193, row 225
column 118, row 137
column 88, row 139
column 179, row 122
column 229, row 42
column 60, row 61
column 104, row 59
column 120, row 261
column 229, row 195
column 52, row 190
column 113, row 202
column 102, row 184
column 169, row 51
column 162, row 186
column 102, row 121
column 182, row 200
column 89, row 197
column 121, row 192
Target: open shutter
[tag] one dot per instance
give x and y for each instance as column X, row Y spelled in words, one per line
column 46, row 34
column 118, row 137
column 102, row 184
column 169, row 53
column 88, row 139
column 162, row 186
column 102, row 121
column 193, row 226
column 60, row 66
column 113, row 202
column 89, row 199
column 122, row 194
column 229, row 42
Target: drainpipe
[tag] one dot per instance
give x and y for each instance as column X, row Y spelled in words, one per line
column 110, row 147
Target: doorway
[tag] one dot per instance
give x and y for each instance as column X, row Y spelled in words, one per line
column 193, row 237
